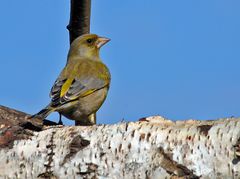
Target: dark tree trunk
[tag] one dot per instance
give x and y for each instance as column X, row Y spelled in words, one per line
column 79, row 18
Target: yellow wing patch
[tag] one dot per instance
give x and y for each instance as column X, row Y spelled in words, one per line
column 66, row 86
column 88, row 92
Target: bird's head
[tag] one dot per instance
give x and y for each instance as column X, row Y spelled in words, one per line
column 87, row 46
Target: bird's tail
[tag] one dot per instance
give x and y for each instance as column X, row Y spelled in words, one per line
column 43, row 113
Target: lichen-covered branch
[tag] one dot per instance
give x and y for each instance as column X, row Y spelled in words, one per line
column 151, row 148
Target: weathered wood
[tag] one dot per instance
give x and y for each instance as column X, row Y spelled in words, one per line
column 16, row 125
column 11, row 117
column 153, row 148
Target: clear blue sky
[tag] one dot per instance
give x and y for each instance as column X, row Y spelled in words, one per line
column 178, row 59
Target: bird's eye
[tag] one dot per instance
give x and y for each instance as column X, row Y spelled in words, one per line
column 89, row 41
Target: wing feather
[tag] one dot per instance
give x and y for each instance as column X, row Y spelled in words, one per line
column 70, row 88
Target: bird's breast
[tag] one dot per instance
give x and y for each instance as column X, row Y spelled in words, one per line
column 86, row 105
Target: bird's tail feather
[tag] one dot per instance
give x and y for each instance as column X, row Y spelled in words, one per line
column 43, row 113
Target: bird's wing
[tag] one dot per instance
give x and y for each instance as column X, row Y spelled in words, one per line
column 65, row 90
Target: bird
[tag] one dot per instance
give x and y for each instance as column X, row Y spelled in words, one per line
column 83, row 84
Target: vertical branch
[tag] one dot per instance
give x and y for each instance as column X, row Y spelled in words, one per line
column 79, row 23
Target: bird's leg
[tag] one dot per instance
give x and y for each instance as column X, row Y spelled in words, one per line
column 93, row 118
column 87, row 120
column 60, row 119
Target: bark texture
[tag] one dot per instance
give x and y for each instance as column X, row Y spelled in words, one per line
column 151, row 148
column 16, row 125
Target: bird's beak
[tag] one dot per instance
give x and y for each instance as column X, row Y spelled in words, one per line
column 101, row 41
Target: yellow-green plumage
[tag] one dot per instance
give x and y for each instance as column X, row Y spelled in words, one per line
column 82, row 86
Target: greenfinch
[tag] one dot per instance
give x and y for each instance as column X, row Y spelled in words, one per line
column 83, row 84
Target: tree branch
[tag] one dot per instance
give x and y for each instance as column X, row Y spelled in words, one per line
column 152, row 148
column 79, row 18
column 16, row 125
column 11, row 117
